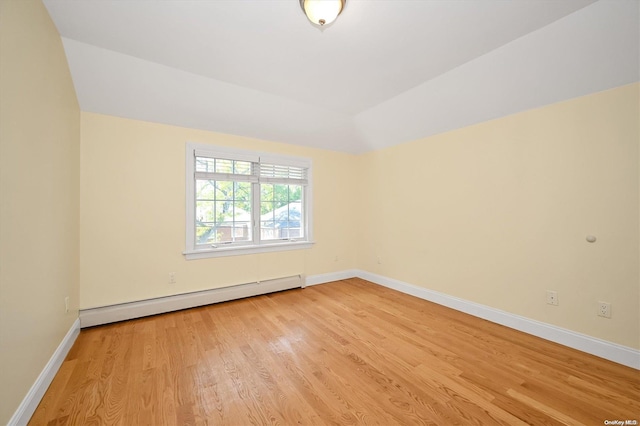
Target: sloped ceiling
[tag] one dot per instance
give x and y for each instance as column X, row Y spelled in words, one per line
column 386, row 72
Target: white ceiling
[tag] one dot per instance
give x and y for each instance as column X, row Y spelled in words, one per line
column 386, row 72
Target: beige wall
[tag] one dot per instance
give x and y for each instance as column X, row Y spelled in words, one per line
column 133, row 214
column 498, row 212
column 39, row 189
column 495, row 213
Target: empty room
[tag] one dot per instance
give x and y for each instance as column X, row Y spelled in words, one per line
column 391, row 212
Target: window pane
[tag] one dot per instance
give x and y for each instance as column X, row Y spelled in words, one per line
column 281, row 193
column 224, row 166
column 205, row 211
column 204, row 164
column 223, row 211
column 224, row 190
column 242, row 168
column 266, row 192
column 243, row 191
column 281, row 214
column 204, row 234
column 242, row 231
column 220, row 165
column 295, row 226
column 205, row 190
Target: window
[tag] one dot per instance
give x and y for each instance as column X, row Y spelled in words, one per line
column 241, row 202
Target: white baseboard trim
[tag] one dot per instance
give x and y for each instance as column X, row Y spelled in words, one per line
column 617, row 353
column 330, row 277
column 30, row 402
column 591, row 345
column 160, row 305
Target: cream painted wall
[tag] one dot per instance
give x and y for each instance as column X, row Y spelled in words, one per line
column 498, row 212
column 495, row 213
column 39, row 189
column 133, row 214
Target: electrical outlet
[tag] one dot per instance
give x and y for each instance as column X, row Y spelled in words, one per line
column 66, row 304
column 378, row 260
column 172, row 278
column 336, row 259
column 552, row 298
column 604, row 309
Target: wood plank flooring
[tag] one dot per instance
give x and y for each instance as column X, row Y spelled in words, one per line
column 348, row 352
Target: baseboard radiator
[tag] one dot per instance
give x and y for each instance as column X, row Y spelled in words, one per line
column 125, row 311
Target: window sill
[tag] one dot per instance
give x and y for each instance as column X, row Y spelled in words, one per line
column 243, row 250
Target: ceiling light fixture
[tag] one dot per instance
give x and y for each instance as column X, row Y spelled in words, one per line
column 322, row 12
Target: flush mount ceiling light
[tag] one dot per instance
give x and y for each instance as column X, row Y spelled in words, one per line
column 322, row 12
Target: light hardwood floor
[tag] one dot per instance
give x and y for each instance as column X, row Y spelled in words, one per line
column 348, row 352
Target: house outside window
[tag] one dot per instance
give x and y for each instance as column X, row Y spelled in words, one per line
column 242, row 202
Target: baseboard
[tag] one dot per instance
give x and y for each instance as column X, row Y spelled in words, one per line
column 143, row 308
column 34, row 396
column 121, row 312
column 591, row 345
column 330, row 277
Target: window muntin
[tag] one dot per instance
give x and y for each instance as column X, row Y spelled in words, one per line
column 243, row 200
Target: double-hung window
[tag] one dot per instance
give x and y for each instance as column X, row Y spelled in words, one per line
column 241, row 202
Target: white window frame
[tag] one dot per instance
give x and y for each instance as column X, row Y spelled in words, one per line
column 257, row 245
